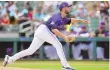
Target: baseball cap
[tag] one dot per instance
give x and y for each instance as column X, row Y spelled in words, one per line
column 63, row 4
column 101, row 27
column 102, row 23
column 83, row 27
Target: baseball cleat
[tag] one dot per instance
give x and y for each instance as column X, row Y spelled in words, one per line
column 5, row 61
column 67, row 68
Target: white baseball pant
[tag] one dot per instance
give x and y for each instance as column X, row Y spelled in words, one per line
column 100, row 53
column 42, row 34
column 76, row 52
column 50, row 52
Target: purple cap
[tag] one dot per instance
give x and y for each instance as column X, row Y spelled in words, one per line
column 83, row 27
column 64, row 4
column 102, row 23
column 101, row 27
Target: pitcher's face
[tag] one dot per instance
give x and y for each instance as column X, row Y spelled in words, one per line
column 67, row 10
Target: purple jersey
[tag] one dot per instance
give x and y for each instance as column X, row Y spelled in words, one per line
column 57, row 22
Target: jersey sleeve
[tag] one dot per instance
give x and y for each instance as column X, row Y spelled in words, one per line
column 53, row 25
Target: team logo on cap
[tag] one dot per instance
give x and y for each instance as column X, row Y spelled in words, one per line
column 52, row 23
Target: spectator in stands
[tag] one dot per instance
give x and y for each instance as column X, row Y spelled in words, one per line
column 102, row 23
column 100, row 32
column 79, row 48
column 24, row 17
column 12, row 18
column 27, row 5
column 103, row 10
column 26, row 14
column 47, row 7
column 86, row 47
column 18, row 14
column 54, row 6
column 5, row 19
column 12, row 7
column 1, row 27
column 38, row 15
column 83, row 32
column 8, row 13
column 104, row 15
column 1, row 8
column 30, row 13
column 93, row 13
column 5, row 8
column 81, row 12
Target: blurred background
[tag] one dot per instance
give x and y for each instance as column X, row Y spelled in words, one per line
column 19, row 19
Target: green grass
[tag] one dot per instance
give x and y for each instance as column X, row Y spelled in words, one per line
column 55, row 65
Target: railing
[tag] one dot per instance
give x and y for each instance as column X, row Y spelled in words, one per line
column 26, row 27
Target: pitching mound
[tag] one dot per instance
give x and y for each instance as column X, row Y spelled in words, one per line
column 14, row 68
